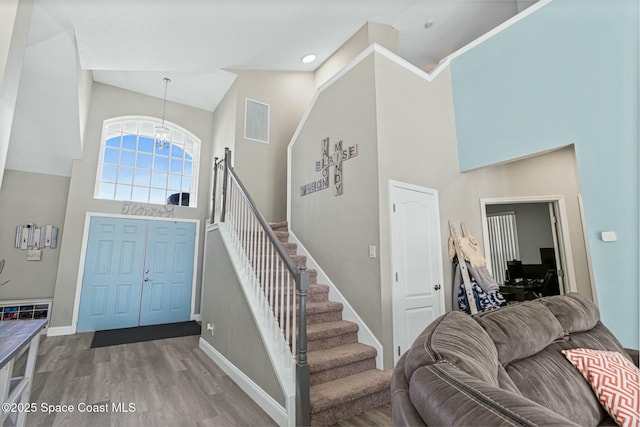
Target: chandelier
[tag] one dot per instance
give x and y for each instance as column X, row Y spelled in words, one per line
column 161, row 133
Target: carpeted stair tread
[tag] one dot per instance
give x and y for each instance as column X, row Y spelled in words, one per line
column 330, row 329
column 317, row 307
column 347, row 389
column 313, row 274
column 299, row 260
column 279, row 226
column 336, row 414
column 321, row 307
column 282, row 235
column 321, row 360
column 292, row 248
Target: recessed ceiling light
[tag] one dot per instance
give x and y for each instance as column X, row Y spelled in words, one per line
column 307, row 59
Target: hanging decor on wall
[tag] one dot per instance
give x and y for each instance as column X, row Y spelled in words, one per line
column 33, row 239
column 327, row 161
column 133, row 208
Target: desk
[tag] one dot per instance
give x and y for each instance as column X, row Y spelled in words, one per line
column 17, row 336
column 521, row 291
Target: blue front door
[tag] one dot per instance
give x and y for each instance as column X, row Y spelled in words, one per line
column 137, row 272
column 166, row 293
column 112, row 274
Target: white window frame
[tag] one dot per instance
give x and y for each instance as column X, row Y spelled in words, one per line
column 188, row 142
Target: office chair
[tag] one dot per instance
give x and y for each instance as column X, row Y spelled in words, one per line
column 549, row 285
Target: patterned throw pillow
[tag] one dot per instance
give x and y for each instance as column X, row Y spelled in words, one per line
column 614, row 379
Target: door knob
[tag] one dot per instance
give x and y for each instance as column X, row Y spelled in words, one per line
column 146, row 279
column 437, row 287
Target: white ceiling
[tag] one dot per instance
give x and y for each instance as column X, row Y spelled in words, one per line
column 134, row 44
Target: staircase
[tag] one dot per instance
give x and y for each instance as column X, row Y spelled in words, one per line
column 344, row 379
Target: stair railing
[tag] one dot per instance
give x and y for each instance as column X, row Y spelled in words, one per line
column 276, row 279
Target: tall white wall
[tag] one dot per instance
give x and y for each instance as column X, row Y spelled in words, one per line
column 15, row 20
column 107, row 102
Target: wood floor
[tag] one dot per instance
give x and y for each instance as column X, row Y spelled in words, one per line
column 169, row 382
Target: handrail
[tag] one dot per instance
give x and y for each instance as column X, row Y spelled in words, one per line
column 265, row 226
column 265, row 271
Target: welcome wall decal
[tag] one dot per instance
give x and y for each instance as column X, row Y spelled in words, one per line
column 327, row 161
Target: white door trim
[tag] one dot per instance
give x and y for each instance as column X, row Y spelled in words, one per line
column 564, row 241
column 83, row 254
column 583, row 224
column 394, row 309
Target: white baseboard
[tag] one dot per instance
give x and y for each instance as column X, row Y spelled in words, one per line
column 55, row 331
column 266, row 402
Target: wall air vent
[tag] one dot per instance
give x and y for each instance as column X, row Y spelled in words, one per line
column 256, row 121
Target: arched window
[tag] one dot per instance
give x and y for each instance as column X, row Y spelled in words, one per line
column 133, row 168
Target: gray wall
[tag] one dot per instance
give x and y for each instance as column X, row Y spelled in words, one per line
column 263, row 167
column 107, row 102
column 236, row 336
column 410, row 123
column 338, row 230
column 533, row 226
column 41, row 200
column 370, row 32
column 417, row 143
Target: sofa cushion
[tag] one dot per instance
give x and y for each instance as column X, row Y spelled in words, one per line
column 574, row 312
column 455, row 337
column 443, row 395
column 520, row 330
column 548, row 378
column 402, row 410
column 597, row 338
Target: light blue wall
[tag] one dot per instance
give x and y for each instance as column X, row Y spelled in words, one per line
column 567, row 74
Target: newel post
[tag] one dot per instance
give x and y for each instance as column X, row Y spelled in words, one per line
column 303, row 408
column 215, row 189
column 225, row 180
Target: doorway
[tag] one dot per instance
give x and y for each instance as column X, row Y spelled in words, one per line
column 136, row 272
column 528, row 238
column 416, row 258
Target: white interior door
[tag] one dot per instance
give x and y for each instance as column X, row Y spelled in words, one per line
column 558, row 245
column 418, row 294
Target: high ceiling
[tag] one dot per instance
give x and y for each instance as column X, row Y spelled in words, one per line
column 134, row 44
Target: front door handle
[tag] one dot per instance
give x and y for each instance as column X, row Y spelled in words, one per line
column 436, row 287
column 146, row 279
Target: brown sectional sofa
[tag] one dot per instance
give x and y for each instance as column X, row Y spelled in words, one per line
column 503, row 367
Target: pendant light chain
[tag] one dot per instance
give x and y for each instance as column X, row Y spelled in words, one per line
column 161, row 134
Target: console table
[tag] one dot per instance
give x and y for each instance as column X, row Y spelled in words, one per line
column 15, row 338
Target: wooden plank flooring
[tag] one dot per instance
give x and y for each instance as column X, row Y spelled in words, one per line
column 170, row 382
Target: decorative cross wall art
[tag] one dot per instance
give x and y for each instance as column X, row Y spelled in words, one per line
column 330, row 160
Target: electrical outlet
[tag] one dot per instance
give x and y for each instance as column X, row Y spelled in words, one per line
column 210, row 327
